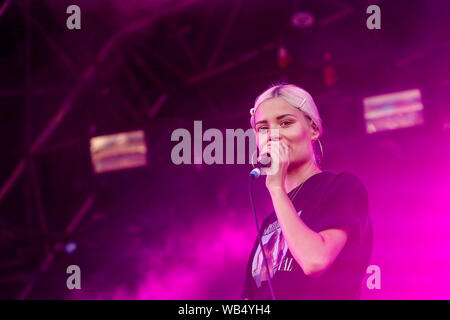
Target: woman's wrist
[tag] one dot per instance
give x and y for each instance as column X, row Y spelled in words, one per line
column 276, row 190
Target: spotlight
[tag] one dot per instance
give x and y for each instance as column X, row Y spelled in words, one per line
column 70, row 247
column 393, row 111
column 118, row 151
column 302, row 19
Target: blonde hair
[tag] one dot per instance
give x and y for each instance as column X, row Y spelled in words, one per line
column 295, row 96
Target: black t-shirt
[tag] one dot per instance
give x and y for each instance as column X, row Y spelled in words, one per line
column 327, row 200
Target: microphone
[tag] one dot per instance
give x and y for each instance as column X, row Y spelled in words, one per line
column 265, row 162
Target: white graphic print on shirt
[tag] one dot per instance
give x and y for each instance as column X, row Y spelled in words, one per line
column 275, row 248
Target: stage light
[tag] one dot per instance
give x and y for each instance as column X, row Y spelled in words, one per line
column 70, row 247
column 393, row 111
column 302, row 19
column 118, row 151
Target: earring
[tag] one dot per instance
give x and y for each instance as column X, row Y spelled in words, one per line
column 320, row 145
column 321, row 149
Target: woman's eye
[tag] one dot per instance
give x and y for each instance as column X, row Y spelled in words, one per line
column 286, row 123
column 262, row 128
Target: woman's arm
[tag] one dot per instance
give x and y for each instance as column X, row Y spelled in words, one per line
column 314, row 252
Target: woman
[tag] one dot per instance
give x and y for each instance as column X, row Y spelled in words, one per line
column 320, row 219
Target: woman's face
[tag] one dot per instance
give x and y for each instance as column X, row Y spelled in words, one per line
column 294, row 128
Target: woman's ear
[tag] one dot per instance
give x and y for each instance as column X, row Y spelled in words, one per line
column 315, row 130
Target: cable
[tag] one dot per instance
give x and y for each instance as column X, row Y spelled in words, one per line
column 251, row 177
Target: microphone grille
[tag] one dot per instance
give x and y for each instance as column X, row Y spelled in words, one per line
column 265, row 159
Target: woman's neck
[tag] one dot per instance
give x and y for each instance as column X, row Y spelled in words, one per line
column 300, row 174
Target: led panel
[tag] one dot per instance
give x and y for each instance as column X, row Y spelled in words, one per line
column 118, row 151
column 393, row 111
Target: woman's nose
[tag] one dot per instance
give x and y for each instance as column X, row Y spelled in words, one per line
column 274, row 135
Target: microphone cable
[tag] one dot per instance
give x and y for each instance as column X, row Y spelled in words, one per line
column 251, row 177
